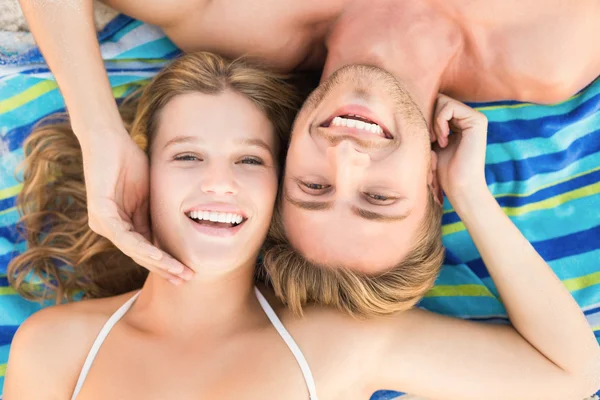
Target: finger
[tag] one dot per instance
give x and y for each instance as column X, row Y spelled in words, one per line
column 159, row 272
column 136, row 246
column 443, row 115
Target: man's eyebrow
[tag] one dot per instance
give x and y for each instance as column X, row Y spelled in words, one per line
column 182, row 139
column 374, row 216
column 309, row 205
column 361, row 212
column 255, row 142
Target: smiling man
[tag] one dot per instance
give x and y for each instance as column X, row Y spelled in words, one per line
column 359, row 214
column 360, row 174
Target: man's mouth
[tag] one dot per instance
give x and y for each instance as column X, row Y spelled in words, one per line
column 363, row 122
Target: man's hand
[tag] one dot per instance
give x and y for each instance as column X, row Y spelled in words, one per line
column 461, row 155
column 117, row 183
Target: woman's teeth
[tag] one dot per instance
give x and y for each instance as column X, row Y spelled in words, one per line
column 355, row 123
column 213, row 216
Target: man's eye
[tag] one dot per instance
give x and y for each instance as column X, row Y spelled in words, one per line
column 379, row 199
column 252, row 161
column 315, row 189
column 187, row 157
column 315, row 186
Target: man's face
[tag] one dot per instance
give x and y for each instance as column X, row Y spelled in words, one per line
column 357, row 172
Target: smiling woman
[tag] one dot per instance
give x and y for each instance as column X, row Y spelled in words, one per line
column 194, row 95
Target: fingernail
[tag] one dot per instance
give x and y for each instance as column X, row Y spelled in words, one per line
column 175, row 281
column 177, row 269
column 186, row 274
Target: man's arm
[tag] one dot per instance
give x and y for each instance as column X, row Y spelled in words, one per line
column 549, row 352
column 64, row 31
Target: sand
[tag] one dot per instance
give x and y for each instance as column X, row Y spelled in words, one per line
column 12, row 20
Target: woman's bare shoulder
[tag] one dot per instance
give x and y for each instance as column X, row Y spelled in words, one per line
column 50, row 347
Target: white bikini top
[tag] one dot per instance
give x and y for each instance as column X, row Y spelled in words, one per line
column 285, row 335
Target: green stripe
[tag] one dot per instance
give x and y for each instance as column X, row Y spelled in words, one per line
column 582, row 282
column 459, row 290
column 549, row 203
column 538, row 188
column 26, row 96
column 7, row 290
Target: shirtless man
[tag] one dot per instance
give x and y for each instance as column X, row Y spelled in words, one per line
column 538, row 51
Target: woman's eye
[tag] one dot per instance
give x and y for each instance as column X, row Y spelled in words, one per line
column 379, row 199
column 187, row 157
column 252, row 161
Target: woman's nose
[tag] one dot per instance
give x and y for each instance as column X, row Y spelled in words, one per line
column 219, row 179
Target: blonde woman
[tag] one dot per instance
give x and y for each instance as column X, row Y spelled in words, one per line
column 213, row 131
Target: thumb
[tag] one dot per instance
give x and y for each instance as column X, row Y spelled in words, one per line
column 141, row 221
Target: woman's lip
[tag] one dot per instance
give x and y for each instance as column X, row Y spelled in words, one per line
column 361, row 111
column 216, row 231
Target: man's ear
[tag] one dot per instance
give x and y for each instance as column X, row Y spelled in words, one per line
column 433, row 181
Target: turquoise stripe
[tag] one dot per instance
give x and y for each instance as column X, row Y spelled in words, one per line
column 16, row 309
column 584, row 297
column 571, row 217
column 15, row 84
column 589, row 295
column 119, row 80
column 32, row 111
column 540, row 180
column 124, row 31
column 7, row 246
column 531, row 112
column 4, row 350
column 159, row 48
column 7, row 167
column 537, row 146
column 9, row 218
column 49, row 102
column 457, row 274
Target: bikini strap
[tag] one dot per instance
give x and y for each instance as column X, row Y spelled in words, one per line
column 285, row 335
column 99, row 340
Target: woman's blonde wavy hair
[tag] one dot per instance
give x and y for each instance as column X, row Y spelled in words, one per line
column 64, row 257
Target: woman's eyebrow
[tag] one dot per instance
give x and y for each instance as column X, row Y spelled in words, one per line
column 255, row 142
column 182, row 139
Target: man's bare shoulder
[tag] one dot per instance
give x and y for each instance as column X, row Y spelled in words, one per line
column 49, row 348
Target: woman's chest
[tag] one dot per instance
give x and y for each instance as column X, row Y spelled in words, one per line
column 222, row 369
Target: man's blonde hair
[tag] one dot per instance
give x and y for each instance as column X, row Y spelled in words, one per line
column 298, row 281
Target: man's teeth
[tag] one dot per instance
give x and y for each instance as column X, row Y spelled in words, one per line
column 229, row 218
column 353, row 123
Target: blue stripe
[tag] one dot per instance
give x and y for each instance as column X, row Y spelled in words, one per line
column 158, row 48
column 591, row 88
column 546, row 193
column 520, row 170
column 527, row 147
column 582, row 166
column 535, row 117
column 6, row 333
column 118, row 28
column 553, row 249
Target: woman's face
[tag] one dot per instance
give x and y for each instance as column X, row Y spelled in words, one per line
column 213, row 180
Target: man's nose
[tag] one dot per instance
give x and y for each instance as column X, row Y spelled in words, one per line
column 349, row 165
column 219, row 179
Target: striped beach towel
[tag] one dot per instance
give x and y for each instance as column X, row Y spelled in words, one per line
column 543, row 166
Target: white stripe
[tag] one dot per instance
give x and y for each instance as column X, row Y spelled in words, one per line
column 285, row 335
column 99, row 340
